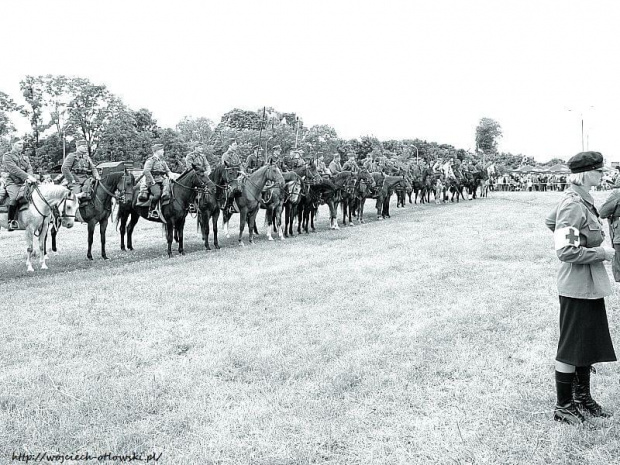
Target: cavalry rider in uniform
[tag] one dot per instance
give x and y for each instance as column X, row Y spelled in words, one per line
column 369, row 163
column 457, row 170
column 254, row 160
column 351, row 164
column 297, row 160
column 156, row 175
column 447, row 170
column 198, row 161
column 321, row 168
column 76, row 169
column 20, row 171
column 335, row 167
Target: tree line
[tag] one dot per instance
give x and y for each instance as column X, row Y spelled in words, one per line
column 62, row 109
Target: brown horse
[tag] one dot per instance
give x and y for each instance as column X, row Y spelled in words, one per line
column 248, row 196
column 183, row 191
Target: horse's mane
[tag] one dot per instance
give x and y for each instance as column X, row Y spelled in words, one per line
column 342, row 175
column 52, row 191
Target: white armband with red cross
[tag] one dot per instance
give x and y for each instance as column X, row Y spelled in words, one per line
column 564, row 237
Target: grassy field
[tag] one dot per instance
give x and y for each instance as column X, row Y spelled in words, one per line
column 425, row 338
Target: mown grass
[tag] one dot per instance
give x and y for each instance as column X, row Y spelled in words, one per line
column 426, row 338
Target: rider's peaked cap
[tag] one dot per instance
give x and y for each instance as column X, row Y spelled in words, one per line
column 585, row 161
column 157, row 147
column 81, row 143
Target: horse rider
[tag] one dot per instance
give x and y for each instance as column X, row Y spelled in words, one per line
column 76, row 169
column 447, row 170
column 297, row 160
column 157, row 179
column 321, row 168
column 351, row 164
column 369, row 163
column 254, row 160
column 457, row 169
column 17, row 164
column 335, row 167
column 197, row 160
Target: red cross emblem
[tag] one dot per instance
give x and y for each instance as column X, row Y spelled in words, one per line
column 572, row 239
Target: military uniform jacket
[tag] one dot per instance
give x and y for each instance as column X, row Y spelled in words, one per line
column 78, row 164
column 18, row 166
column 199, row 160
column 335, row 167
column 251, row 163
column 611, row 211
column 578, row 235
column 351, row 166
column 155, row 169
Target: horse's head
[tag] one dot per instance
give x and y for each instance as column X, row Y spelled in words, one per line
column 274, row 174
column 67, row 209
column 365, row 181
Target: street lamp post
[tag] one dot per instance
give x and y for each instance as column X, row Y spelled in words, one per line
column 582, row 138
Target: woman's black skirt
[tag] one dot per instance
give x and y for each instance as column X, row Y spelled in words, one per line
column 584, row 332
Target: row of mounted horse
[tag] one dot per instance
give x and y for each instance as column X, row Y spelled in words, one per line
column 296, row 194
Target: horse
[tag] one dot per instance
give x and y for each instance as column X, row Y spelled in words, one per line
column 272, row 200
column 209, row 209
column 183, row 190
column 248, row 196
column 98, row 209
column 64, row 218
column 309, row 198
column 390, row 184
column 348, row 200
column 36, row 217
column 292, row 197
column 363, row 188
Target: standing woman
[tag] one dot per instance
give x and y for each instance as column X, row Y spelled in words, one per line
column 582, row 286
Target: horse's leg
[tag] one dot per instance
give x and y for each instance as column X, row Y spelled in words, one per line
column 169, row 237
column 53, row 234
column 123, row 226
column 180, row 227
column 225, row 219
column 29, row 243
column 91, row 234
column 132, row 224
column 214, row 217
column 279, row 221
column 103, row 225
column 42, row 238
column 269, row 213
column 243, row 213
column 204, row 226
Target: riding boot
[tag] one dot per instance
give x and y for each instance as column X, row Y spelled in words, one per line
column 581, row 394
column 565, row 409
column 12, row 218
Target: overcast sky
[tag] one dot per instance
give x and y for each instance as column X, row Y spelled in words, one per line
column 394, row 69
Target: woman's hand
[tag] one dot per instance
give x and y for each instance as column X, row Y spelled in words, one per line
column 609, row 254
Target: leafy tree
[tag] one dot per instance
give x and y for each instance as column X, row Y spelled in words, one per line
column 242, row 119
column 487, row 134
column 195, row 130
column 32, row 89
column 91, row 110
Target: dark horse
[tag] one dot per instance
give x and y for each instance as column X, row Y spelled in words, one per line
column 248, row 196
column 292, row 198
column 210, row 200
column 384, row 190
column 183, row 190
column 364, row 185
column 309, row 199
column 98, row 209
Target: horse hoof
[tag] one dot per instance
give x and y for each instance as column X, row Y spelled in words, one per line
column 89, row 257
column 217, row 246
column 350, row 224
column 270, row 238
column 241, row 244
column 44, row 267
column 105, row 257
column 30, row 269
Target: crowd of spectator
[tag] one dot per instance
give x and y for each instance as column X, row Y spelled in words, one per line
column 541, row 182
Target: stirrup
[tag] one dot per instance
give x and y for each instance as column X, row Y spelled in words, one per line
column 13, row 225
column 154, row 215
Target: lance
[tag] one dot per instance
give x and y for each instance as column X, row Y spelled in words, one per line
column 260, row 132
column 296, row 130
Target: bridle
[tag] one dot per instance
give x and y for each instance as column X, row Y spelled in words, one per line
column 57, row 217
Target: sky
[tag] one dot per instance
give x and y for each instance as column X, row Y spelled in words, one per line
column 393, row 69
